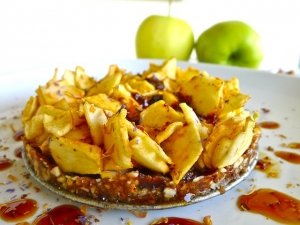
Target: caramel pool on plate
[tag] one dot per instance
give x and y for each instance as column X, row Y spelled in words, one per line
column 272, row 204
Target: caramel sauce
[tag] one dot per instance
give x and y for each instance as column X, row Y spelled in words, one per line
column 268, row 166
column 5, row 163
column 288, row 156
column 18, row 135
column 63, row 214
column 23, row 223
column 272, row 204
column 18, row 210
column 292, row 145
column 176, row 220
column 269, row 125
column 18, row 152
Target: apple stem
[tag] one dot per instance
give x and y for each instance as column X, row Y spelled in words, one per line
column 169, row 7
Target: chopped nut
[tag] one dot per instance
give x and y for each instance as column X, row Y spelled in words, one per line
column 169, row 192
column 207, row 220
column 139, row 214
column 223, row 170
column 55, row 171
column 197, row 178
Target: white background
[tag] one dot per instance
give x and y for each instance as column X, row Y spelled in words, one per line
column 36, row 32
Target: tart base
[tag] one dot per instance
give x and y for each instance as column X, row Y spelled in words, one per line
column 138, row 190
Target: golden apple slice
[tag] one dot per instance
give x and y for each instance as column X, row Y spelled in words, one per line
column 231, row 87
column 146, row 141
column 233, row 106
column 76, row 156
column 48, row 118
column 228, row 141
column 45, row 97
column 137, row 85
column 34, row 127
column 30, row 109
column 229, row 150
column 104, row 102
column 205, row 94
column 170, row 98
column 148, row 154
column 164, row 71
column 158, row 115
column 121, row 93
column 169, row 68
column 69, row 77
column 80, row 133
column 170, row 129
column 116, row 141
column 58, row 125
column 110, row 81
column 56, row 121
column 96, row 119
column 62, row 104
column 82, row 80
column 77, row 113
column 72, row 93
column 184, row 145
column 184, row 75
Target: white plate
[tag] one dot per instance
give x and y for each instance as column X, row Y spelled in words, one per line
column 278, row 93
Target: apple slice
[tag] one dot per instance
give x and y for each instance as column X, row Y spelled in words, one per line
column 205, row 94
column 104, row 102
column 229, row 139
column 116, row 143
column 149, row 154
column 76, row 156
column 96, row 119
column 158, row 115
column 110, row 81
column 30, row 109
column 184, row 145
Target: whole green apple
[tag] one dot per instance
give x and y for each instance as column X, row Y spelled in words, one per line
column 230, row 43
column 164, row 37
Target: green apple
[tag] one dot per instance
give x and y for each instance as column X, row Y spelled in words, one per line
column 164, row 37
column 230, row 43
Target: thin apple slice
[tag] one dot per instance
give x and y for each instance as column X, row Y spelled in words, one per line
column 30, row 109
column 116, row 143
column 158, row 115
column 82, row 80
column 104, row 102
column 34, row 127
column 80, row 133
column 149, row 154
column 170, row 129
column 228, row 141
column 233, row 106
column 184, row 75
column 136, row 84
column 110, row 81
column 205, row 94
column 184, row 145
column 154, row 149
column 75, row 156
column 96, row 120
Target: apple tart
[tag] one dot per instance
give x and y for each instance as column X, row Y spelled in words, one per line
column 163, row 136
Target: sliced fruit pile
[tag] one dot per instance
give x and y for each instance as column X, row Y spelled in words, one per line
column 166, row 119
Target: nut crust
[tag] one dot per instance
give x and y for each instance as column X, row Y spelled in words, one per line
column 141, row 187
